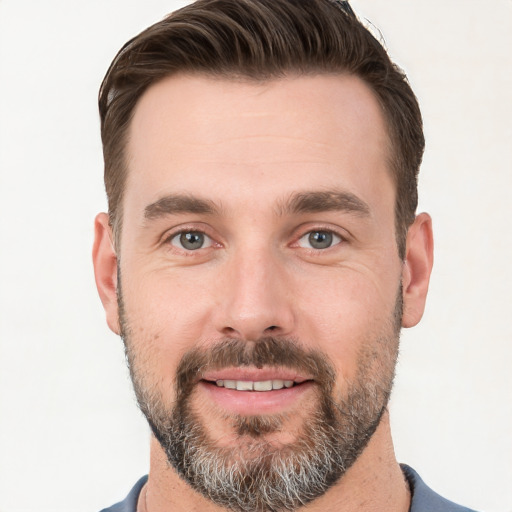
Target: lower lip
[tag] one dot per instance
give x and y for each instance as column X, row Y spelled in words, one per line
column 253, row 403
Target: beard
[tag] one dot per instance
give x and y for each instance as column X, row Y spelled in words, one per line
column 254, row 473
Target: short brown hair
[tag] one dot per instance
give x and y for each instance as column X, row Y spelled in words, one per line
column 261, row 40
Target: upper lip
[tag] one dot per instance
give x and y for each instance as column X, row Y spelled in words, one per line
column 254, row 374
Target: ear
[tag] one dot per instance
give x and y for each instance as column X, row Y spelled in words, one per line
column 417, row 267
column 105, row 269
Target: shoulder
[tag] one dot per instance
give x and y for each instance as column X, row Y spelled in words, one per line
column 425, row 499
column 129, row 504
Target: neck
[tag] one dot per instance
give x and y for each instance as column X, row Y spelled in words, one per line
column 374, row 482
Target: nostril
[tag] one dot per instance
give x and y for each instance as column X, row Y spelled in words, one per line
column 271, row 328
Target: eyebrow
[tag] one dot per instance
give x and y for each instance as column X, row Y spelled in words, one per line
column 176, row 203
column 302, row 202
column 324, row 201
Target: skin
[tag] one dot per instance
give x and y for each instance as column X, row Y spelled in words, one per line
column 248, row 148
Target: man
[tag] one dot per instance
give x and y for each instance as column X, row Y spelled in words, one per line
column 261, row 254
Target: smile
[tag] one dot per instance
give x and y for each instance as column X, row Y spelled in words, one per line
column 252, row 391
column 259, row 385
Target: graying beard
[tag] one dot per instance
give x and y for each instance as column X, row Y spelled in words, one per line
column 257, row 476
column 262, row 477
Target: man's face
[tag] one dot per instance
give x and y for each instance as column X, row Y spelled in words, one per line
column 258, row 252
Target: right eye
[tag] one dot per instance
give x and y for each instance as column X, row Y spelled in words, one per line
column 319, row 239
column 191, row 240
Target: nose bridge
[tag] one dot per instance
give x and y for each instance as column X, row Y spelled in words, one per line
column 255, row 299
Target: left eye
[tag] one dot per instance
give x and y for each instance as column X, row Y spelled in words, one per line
column 319, row 240
column 191, row 240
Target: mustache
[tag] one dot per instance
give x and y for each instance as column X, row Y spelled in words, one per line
column 269, row 351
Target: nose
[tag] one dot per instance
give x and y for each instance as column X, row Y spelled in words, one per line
column 255, row 298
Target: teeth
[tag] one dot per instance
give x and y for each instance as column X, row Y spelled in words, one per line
column 243, row 385
column 277, row 384
column 264, row 385
column 260, row 385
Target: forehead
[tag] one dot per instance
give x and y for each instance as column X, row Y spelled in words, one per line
column 210, row 136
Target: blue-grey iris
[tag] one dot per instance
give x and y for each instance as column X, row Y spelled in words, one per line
column 192, row 240
column 320, row 239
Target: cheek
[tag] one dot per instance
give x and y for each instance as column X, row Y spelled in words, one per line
column 349, row 313
column 166, row 301
column 162, row 320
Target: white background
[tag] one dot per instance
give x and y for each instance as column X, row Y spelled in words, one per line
column 71, row 438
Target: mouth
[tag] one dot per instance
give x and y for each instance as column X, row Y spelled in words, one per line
column 258, row 385
column 255, row 391
column 254, row 379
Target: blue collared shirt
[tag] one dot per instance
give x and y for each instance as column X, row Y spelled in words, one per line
column 423, row 498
